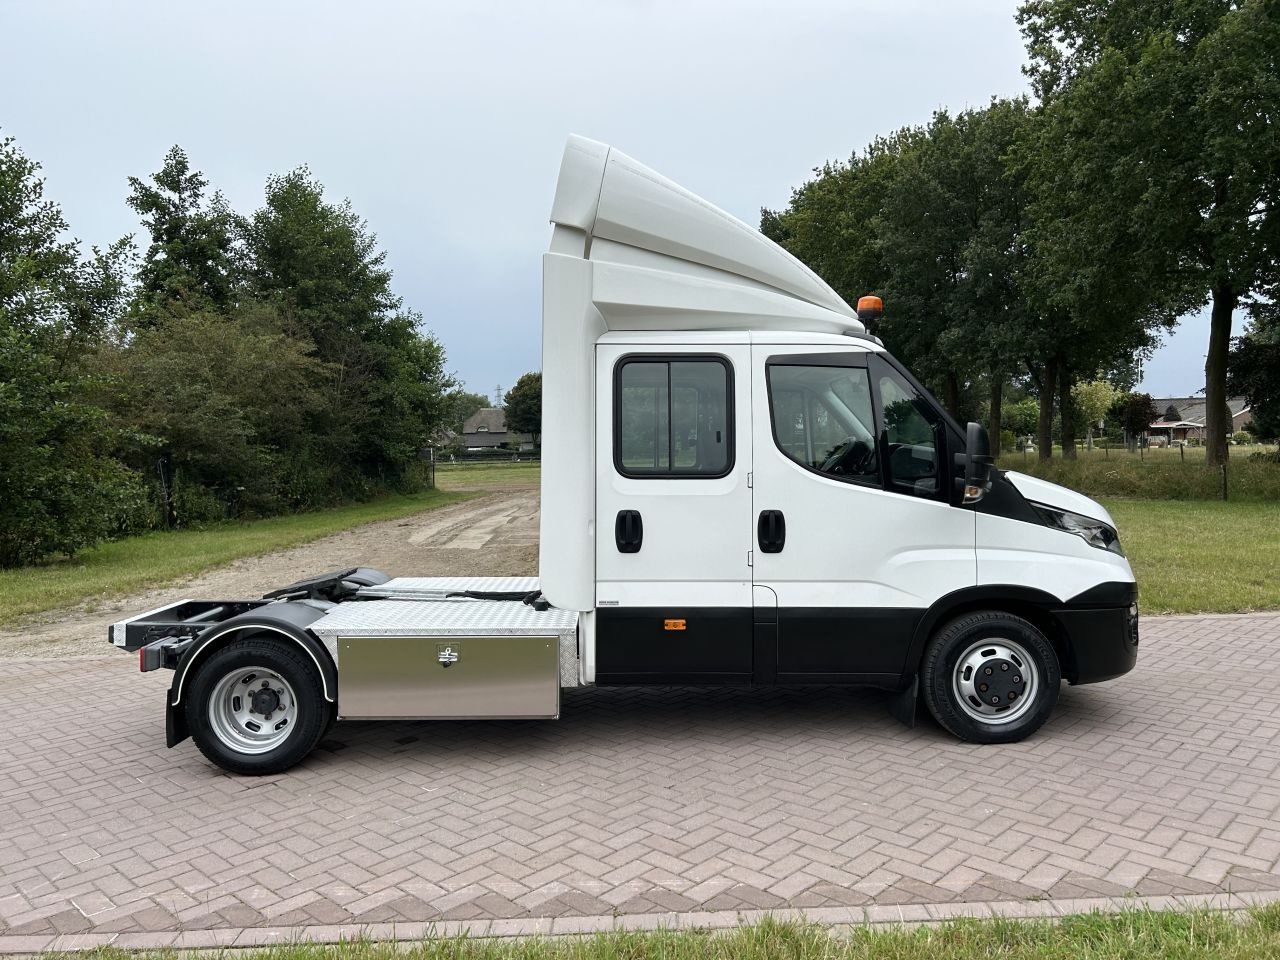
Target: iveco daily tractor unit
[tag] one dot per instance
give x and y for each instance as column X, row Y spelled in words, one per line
column 739, row 486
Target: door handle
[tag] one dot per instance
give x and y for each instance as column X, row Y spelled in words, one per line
column 771, row 531
column 628, row 531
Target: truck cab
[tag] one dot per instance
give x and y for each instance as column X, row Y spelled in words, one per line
column 740, row 486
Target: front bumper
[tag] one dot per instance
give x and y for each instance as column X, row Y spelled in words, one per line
column 1101, row 633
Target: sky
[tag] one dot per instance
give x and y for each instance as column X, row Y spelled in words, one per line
column 444, row 123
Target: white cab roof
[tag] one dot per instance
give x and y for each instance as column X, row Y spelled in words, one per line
column 766, row 337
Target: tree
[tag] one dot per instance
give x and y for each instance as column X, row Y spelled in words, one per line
column 1092, row 401
column 1255, row 375
column 523, row 406
column 318, row 266
column 1173, row 106
column 59, row 488
column 830, row 221
column 1136, row 412
column 228, row 407
column 1021, row 417
column 931, row 218
column 1095, row 306
column 191, row 262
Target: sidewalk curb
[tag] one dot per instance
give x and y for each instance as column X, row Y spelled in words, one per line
column 886, row 915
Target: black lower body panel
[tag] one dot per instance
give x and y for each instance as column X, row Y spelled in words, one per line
column 765, row 646
column 837, row 642
column 674, row 645
column 1102, row 643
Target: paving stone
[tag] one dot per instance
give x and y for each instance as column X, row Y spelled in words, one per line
column 647, row 802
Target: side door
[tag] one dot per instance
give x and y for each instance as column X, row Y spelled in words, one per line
column 855, row 532
column 673, row 512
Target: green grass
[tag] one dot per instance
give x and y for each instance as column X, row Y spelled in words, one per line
column 498, row 475
column 1158, row 474
column 151, row 559
column 1202, row 557
column 1202, row 935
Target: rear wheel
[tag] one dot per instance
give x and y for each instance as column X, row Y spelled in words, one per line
column 990, row 677
column 257, row 707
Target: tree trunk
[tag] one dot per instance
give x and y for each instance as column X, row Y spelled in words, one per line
column 1044, row 433
column 952, row 387
column 1067, row 408
column 997, row 397
column 1217, row 425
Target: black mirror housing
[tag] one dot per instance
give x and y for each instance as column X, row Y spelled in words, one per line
column 977, row 462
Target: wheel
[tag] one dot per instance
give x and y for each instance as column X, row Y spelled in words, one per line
column 990, row 677
column 257, row 707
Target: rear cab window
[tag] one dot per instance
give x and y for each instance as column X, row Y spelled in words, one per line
column 673, row 416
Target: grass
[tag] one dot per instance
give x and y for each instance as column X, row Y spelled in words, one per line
column 1202, row 557
column 1157, row 474
column 152, row 559
column 1175, row 935
column 499, row 475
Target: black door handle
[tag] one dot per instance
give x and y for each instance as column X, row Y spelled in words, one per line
column 771, row 531
column 628, row 531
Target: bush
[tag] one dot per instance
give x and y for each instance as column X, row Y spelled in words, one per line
column 59, row 488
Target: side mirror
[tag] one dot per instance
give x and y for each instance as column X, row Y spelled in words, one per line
column 976, row 462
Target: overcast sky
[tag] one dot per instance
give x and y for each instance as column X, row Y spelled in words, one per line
column 444, row 122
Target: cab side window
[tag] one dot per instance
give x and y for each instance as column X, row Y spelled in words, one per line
column 822, row 419
column 910, row 435
column 673, row 417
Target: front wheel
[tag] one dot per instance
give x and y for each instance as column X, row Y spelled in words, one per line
column 257, row 707
column 990, row 677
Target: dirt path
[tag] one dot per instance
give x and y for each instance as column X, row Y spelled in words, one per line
column 496, row 534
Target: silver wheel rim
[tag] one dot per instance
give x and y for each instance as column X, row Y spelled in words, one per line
column 252, row 710
column 986, row 675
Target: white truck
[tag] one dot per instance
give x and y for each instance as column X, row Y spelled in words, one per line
column 739, row 486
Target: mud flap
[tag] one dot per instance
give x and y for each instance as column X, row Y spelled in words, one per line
column 175, row 722
column 902, row 706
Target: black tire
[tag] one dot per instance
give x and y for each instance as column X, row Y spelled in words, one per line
column 1012, row 640
column 309, row 716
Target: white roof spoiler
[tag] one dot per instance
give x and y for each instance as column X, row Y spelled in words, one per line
column 606, row 195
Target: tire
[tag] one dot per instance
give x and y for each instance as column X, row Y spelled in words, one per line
column 287, row 707
column 996, row 655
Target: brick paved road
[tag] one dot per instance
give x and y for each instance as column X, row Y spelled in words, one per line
column 1165, row 781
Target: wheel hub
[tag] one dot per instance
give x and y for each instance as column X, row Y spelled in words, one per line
column 265, row 701
column 999, row 683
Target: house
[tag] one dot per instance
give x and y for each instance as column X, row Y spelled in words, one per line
column 487, row 429
column 1181, row 419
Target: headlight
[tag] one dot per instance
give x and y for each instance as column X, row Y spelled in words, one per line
column 1093, row 532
